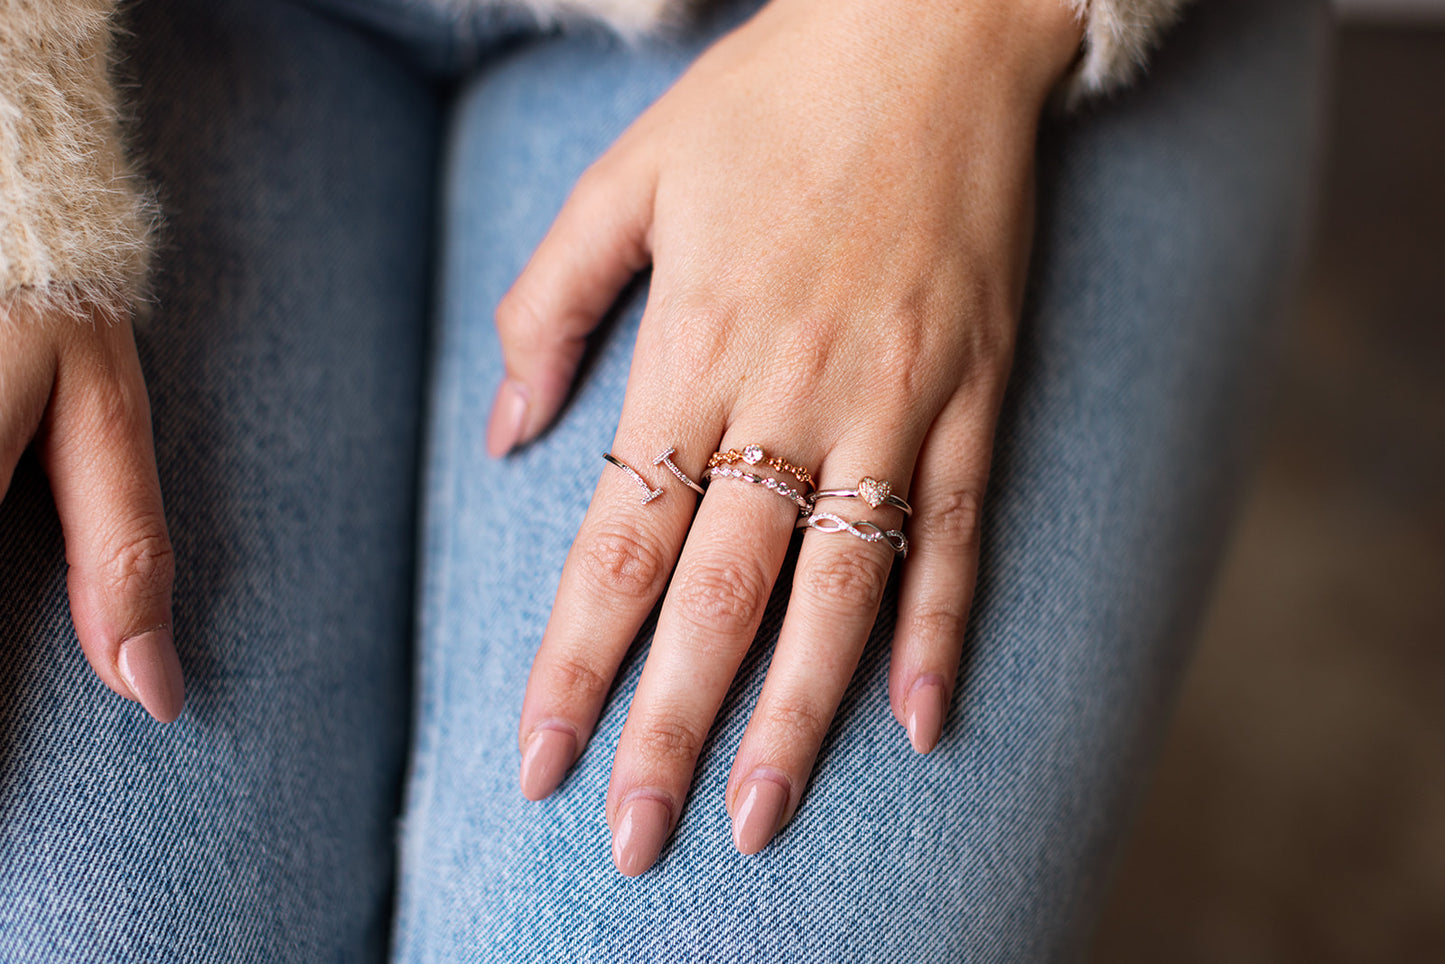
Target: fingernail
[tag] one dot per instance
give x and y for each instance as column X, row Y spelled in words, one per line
column 925, row 708
column 509, row 411
column 545, row 761
column 150, row 668
column 760, row 811
column 641, row 831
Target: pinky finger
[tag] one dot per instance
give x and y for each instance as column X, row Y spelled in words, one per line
column 97, row 450
column 938, row 578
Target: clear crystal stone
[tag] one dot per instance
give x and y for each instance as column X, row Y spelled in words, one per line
column 753, row 454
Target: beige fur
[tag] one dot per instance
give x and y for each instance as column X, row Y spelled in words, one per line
column 1118, row 35
column 75, row 223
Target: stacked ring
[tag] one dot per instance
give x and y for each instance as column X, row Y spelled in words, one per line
column 753, row 455
column 870, row 490
column 666, row 459
column 767, row 482
column 867, row 531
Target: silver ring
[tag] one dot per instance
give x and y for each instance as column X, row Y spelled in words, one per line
column 870, row 490
column 767, row 482
column 666, row 459
column 867, row 531
column 651, row 493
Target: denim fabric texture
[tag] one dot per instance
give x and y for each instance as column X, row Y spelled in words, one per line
column 351, row 185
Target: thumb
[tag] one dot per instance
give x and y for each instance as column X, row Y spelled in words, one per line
column 98, row 453
column 594, row 248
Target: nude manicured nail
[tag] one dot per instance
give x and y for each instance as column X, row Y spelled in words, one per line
column 545, row 760
column 509, row 412
column 149, row 666
column 642, row 829
column 924, row 711
column 760, row 811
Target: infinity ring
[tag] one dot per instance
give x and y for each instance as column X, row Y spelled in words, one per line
column 867, row 531
column 870, row 490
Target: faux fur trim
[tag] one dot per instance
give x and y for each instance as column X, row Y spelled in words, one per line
column 75, row 222
column 1118, row 35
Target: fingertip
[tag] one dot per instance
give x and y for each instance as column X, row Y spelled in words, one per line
column 924, row 711
column 151, row 669
column 545, row 761
column 508, row 418
column 643, row 825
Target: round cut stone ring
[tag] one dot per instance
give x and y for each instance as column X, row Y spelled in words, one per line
column 754, row 455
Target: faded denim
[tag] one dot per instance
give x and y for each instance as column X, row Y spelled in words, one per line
column 351, row 185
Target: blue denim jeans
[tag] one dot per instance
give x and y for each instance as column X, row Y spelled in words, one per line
column 351, row 185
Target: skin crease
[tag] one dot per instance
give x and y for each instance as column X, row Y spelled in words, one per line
column 836, row 201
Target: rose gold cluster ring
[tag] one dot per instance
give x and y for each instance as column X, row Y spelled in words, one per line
column 754, row 455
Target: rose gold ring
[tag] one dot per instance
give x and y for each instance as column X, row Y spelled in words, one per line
column 754, row 455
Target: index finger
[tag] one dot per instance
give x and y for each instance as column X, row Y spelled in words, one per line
column 614, row 574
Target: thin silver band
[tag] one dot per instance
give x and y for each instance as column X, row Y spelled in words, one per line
column 651, row 493
column 867, row 531
column 666, row 459
column 870, row 490
column 771, row 484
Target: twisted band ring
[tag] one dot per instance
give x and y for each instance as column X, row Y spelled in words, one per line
column 867, row 531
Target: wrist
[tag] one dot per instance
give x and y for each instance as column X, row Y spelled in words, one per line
column 1022, row 48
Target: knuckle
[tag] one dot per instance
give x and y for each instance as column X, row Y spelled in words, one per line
column 120, row 401
column 853, row 579
column 667, row 739
column 722, row 597
column 618, row 562
column 699, row 338
column 516, row 314
column 953, row 521
column 595, row 178
column 936, row 624
column 807, row 355
column 798, row 720
column 141, row 567
column 573, row 680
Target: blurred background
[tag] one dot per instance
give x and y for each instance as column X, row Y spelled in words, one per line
column 1298, row 812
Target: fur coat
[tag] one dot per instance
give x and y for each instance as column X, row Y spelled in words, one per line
column 76, row 221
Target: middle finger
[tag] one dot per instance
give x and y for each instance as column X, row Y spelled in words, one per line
column 708, row 621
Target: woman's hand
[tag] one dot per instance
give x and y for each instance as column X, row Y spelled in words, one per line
column 77, row 389
column 836, row 202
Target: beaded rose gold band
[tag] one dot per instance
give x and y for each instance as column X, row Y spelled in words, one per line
column 754, row 455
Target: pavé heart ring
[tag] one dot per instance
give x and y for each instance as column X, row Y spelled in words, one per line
column 870, row 490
